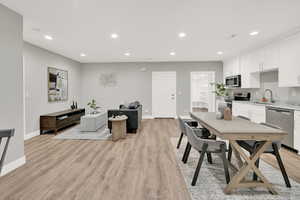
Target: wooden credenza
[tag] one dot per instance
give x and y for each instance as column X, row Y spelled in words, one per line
column 58, row 120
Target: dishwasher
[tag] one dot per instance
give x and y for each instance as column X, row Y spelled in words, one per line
column 283, row 118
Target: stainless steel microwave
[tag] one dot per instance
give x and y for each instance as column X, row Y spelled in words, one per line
column 233, row 81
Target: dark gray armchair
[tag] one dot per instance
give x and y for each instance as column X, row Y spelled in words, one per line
column 134, row 113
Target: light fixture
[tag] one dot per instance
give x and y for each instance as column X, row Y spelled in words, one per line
column 220, row 52
column 114, row 35
column 83, row 55
column 182, row 35
column 48, row 37
column 253, row 33
column 127, row 54
column 172, row 53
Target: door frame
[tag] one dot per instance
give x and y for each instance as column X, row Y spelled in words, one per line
column 214, row 103
column 152, row 104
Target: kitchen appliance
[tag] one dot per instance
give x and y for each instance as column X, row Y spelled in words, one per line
column 242, row 96
column 233, row 81
column 283, row 118
column 238, row 96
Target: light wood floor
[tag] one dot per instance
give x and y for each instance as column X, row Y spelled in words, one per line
column 141, row 167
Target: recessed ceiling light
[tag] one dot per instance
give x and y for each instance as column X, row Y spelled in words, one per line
column 114, row 36
column 254, row 33
column 172, row 53
column 220, row 52
column 83, row 55
column 48, row 37
column 182, row 35
column 127, row 54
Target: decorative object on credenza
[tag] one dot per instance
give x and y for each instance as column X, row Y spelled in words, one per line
column 76, row 105
column 108, row 79
column 93, row 106
column 57, row 84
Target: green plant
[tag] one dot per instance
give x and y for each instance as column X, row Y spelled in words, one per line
column 93, row 104
column 220, row 89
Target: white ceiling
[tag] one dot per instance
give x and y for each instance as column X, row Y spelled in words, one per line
column 148, row 28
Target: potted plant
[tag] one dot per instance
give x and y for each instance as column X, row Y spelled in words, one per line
column 221, row 93
column 93, row 106
column 220, row 90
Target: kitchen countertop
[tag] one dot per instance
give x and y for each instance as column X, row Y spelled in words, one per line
column 276, row 105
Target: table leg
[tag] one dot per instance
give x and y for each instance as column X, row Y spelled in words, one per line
column 237, row 156
column 249, row 164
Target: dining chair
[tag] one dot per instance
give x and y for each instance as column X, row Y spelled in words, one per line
column 251, row 146
column 182, row 128
column 199, row 131
column 205, row 146
column 8, row 133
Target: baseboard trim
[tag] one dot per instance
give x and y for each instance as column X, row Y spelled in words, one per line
column 9, row 167
column 148, row 117
column 31, row 135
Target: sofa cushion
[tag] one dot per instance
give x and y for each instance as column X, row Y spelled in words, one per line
column 134, row 105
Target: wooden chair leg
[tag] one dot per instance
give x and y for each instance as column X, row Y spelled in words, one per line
column 225, row 163
column 229, row 153
column 209, row 158
column 280, row 163
column 204, row 148
column 179, row 141
column 186, row 153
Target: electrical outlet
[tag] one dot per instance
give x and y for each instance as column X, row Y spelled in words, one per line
column 146, row 110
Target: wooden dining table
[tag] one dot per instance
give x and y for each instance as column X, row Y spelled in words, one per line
column 241, row 129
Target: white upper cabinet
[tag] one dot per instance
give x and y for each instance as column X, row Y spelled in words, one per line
column 270, row 57
column 231, row 67
column 289, row 67
column 249, row 71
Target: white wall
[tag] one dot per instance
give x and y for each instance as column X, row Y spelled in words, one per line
column 134, row 84
column 36, row 62
column 11, row 84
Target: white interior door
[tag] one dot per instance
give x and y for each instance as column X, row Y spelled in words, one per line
column 164, row 94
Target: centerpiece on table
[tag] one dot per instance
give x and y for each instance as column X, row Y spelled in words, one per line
column 222, row 93
column 93, row 106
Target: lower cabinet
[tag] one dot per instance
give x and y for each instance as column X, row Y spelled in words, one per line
column 297, row 130
column 257, row 113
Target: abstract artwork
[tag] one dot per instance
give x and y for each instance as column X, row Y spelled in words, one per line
column 108, row 79
column 57, row 84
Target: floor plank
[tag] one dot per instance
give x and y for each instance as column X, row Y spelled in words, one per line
column 141, row 167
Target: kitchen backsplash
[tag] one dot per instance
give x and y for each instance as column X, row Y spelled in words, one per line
column 269, row 80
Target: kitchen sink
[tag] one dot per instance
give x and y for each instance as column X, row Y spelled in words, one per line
column 263, row 103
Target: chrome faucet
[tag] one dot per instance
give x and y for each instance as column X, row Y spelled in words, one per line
column 271, row 95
